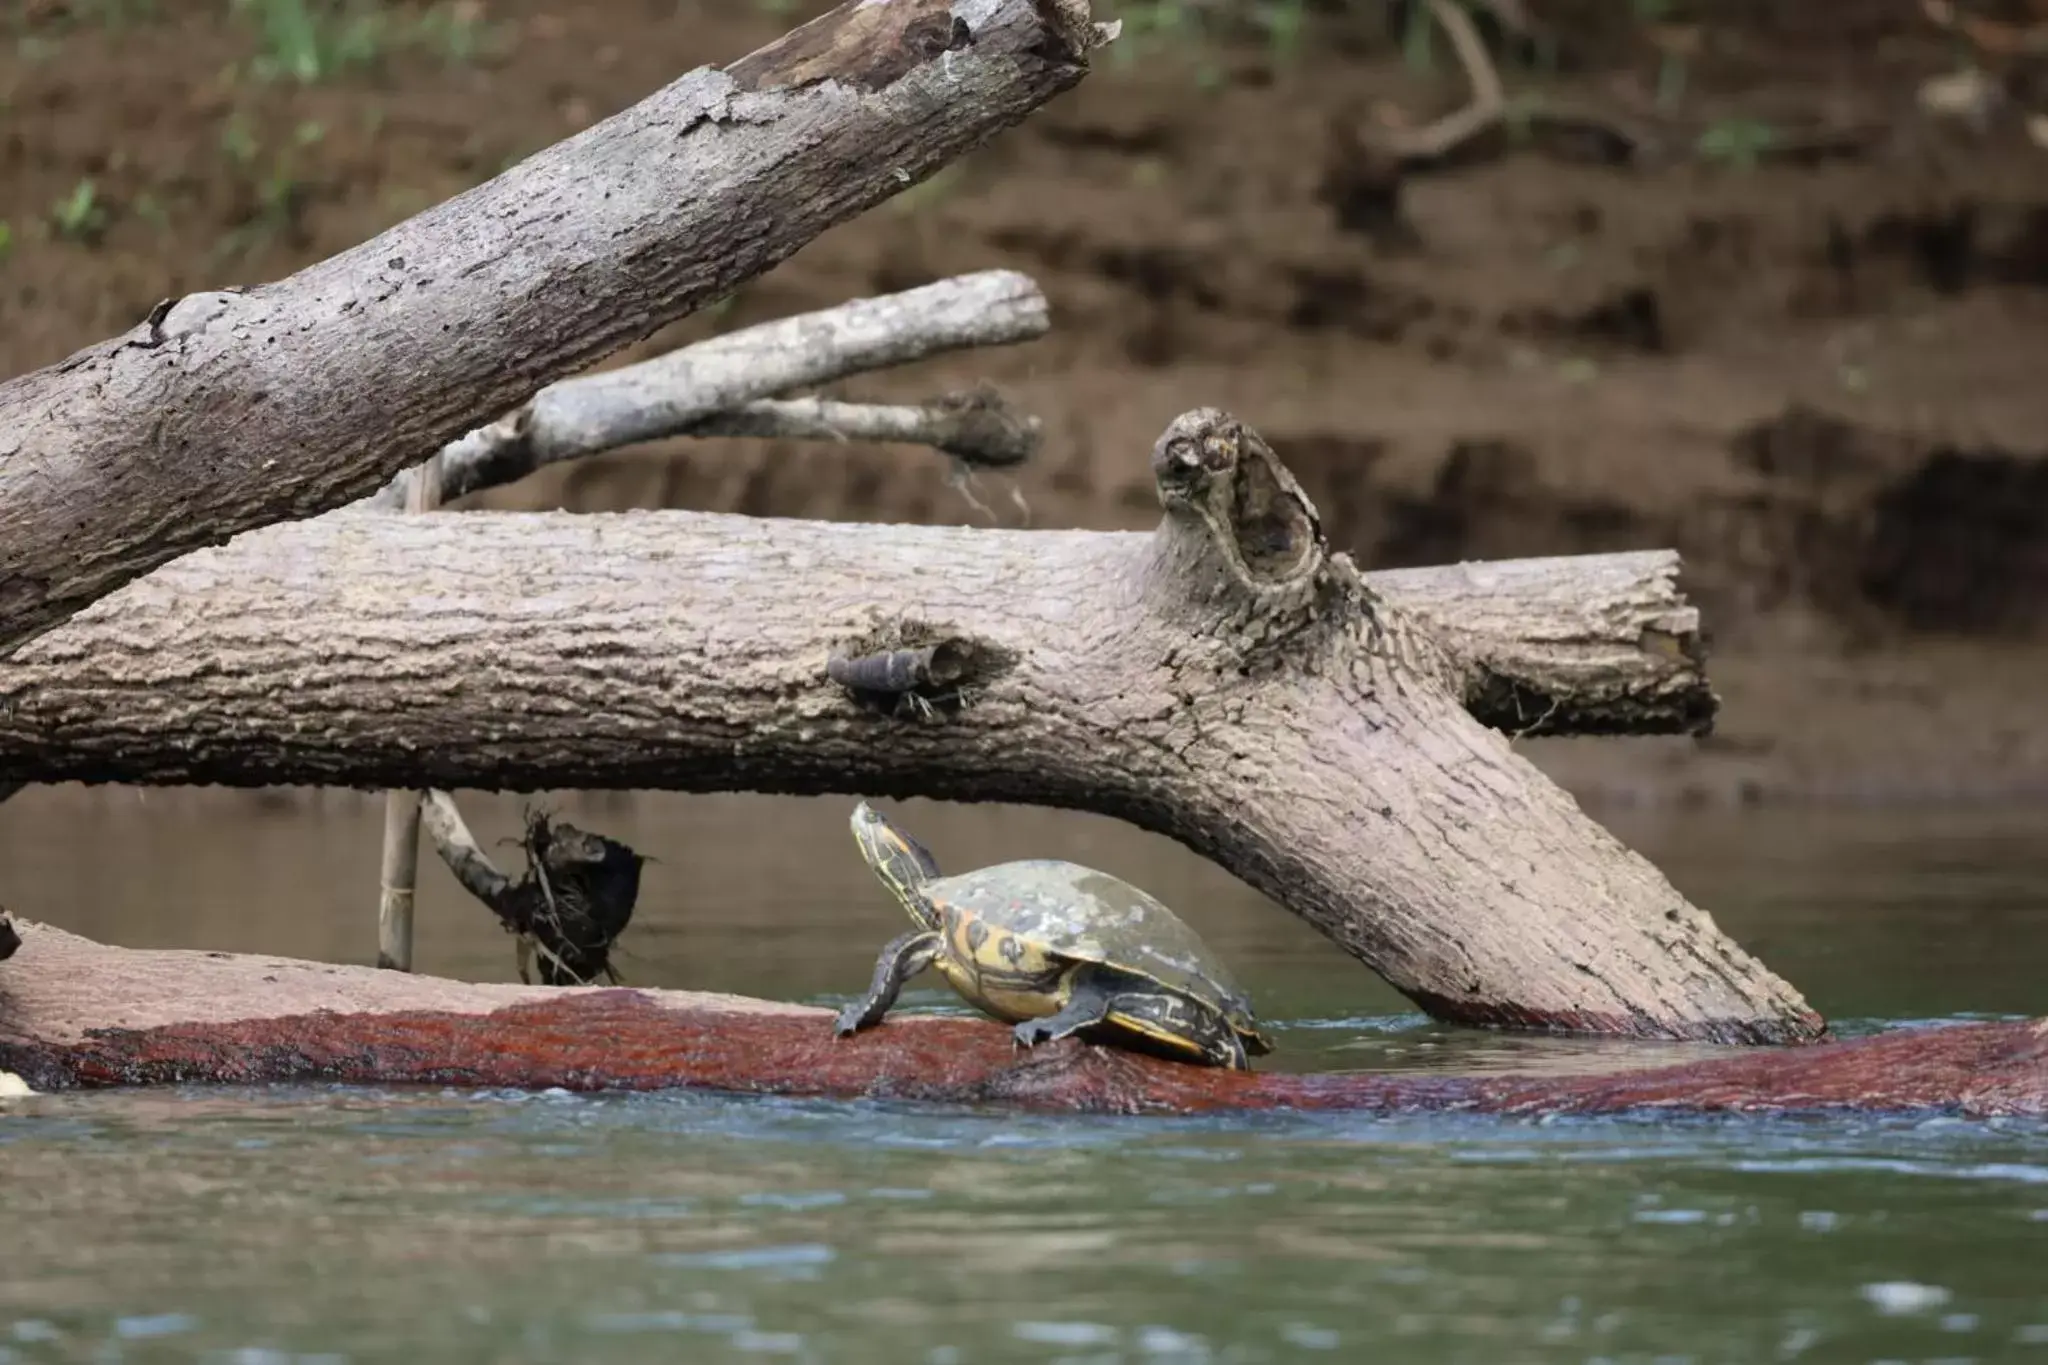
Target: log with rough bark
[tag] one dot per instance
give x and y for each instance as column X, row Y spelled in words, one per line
column 76, row 1014
column 1226, row 680
column 232, row 409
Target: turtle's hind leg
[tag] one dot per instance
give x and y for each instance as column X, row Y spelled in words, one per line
column 1111, row 1007
column 1174, row 1026
column 1088, row 1004
column 902, row 958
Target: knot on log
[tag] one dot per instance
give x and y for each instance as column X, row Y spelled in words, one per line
column 912, row 670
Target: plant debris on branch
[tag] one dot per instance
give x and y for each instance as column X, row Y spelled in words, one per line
column 570, row 908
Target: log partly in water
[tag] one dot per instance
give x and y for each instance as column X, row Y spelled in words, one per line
column 1226, row 680
column 76, row 1014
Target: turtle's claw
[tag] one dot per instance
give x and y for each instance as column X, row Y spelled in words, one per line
column 847, row 1023
column 1029, row 1034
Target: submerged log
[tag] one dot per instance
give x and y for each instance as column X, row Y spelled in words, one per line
column 235, row 408
column 76, row 1014
column 1226, row 680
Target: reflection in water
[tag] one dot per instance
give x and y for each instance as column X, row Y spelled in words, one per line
column 302, row 1224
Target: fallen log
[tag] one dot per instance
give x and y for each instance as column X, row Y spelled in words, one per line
column 76, row 1014
column 1225, row 680
column 231, row 409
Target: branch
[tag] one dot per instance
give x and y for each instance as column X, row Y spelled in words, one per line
column 76, row 1014
column 1225, row 680
column 1488, row 103
column 466, row 859
column 977, row 427
column 713, row 388
column 232, row 409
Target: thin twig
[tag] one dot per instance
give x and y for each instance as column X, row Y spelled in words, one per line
column 676, row 393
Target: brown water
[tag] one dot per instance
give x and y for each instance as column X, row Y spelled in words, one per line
column 308, row 1223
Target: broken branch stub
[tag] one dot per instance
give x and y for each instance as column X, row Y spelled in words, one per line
column 228, row 410
column 1225, row 680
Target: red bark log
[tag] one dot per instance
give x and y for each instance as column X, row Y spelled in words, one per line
column 77, row 1014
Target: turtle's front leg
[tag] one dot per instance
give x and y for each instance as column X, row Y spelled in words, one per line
column 1087, row 1005
column 902, row 958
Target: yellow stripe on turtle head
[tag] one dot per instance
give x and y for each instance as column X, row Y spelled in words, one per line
column 899, row 860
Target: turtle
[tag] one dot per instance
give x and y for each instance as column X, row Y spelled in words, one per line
column 1055, row 949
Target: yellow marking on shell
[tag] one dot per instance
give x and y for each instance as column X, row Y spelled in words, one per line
column 1180, row 1042
column 1011, row 1004
column 1000, row 976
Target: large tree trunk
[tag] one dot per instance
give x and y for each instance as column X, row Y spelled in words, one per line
column 76, row 1014
column 232, row 409
column 1224, row 680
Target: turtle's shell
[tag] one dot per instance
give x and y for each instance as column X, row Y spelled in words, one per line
column 1075, row 912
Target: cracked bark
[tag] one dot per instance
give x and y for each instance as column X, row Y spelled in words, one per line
column 1225, row 680
column 231, row 409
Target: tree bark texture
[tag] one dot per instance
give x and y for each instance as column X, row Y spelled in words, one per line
column 232, row 409
column 1224, row 680
column 76, row 1014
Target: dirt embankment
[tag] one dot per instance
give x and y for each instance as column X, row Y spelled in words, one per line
column 1820, row 376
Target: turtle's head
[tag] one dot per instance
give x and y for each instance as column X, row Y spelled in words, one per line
column 899, row 860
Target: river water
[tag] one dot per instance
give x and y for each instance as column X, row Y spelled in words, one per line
column 320, row 1224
